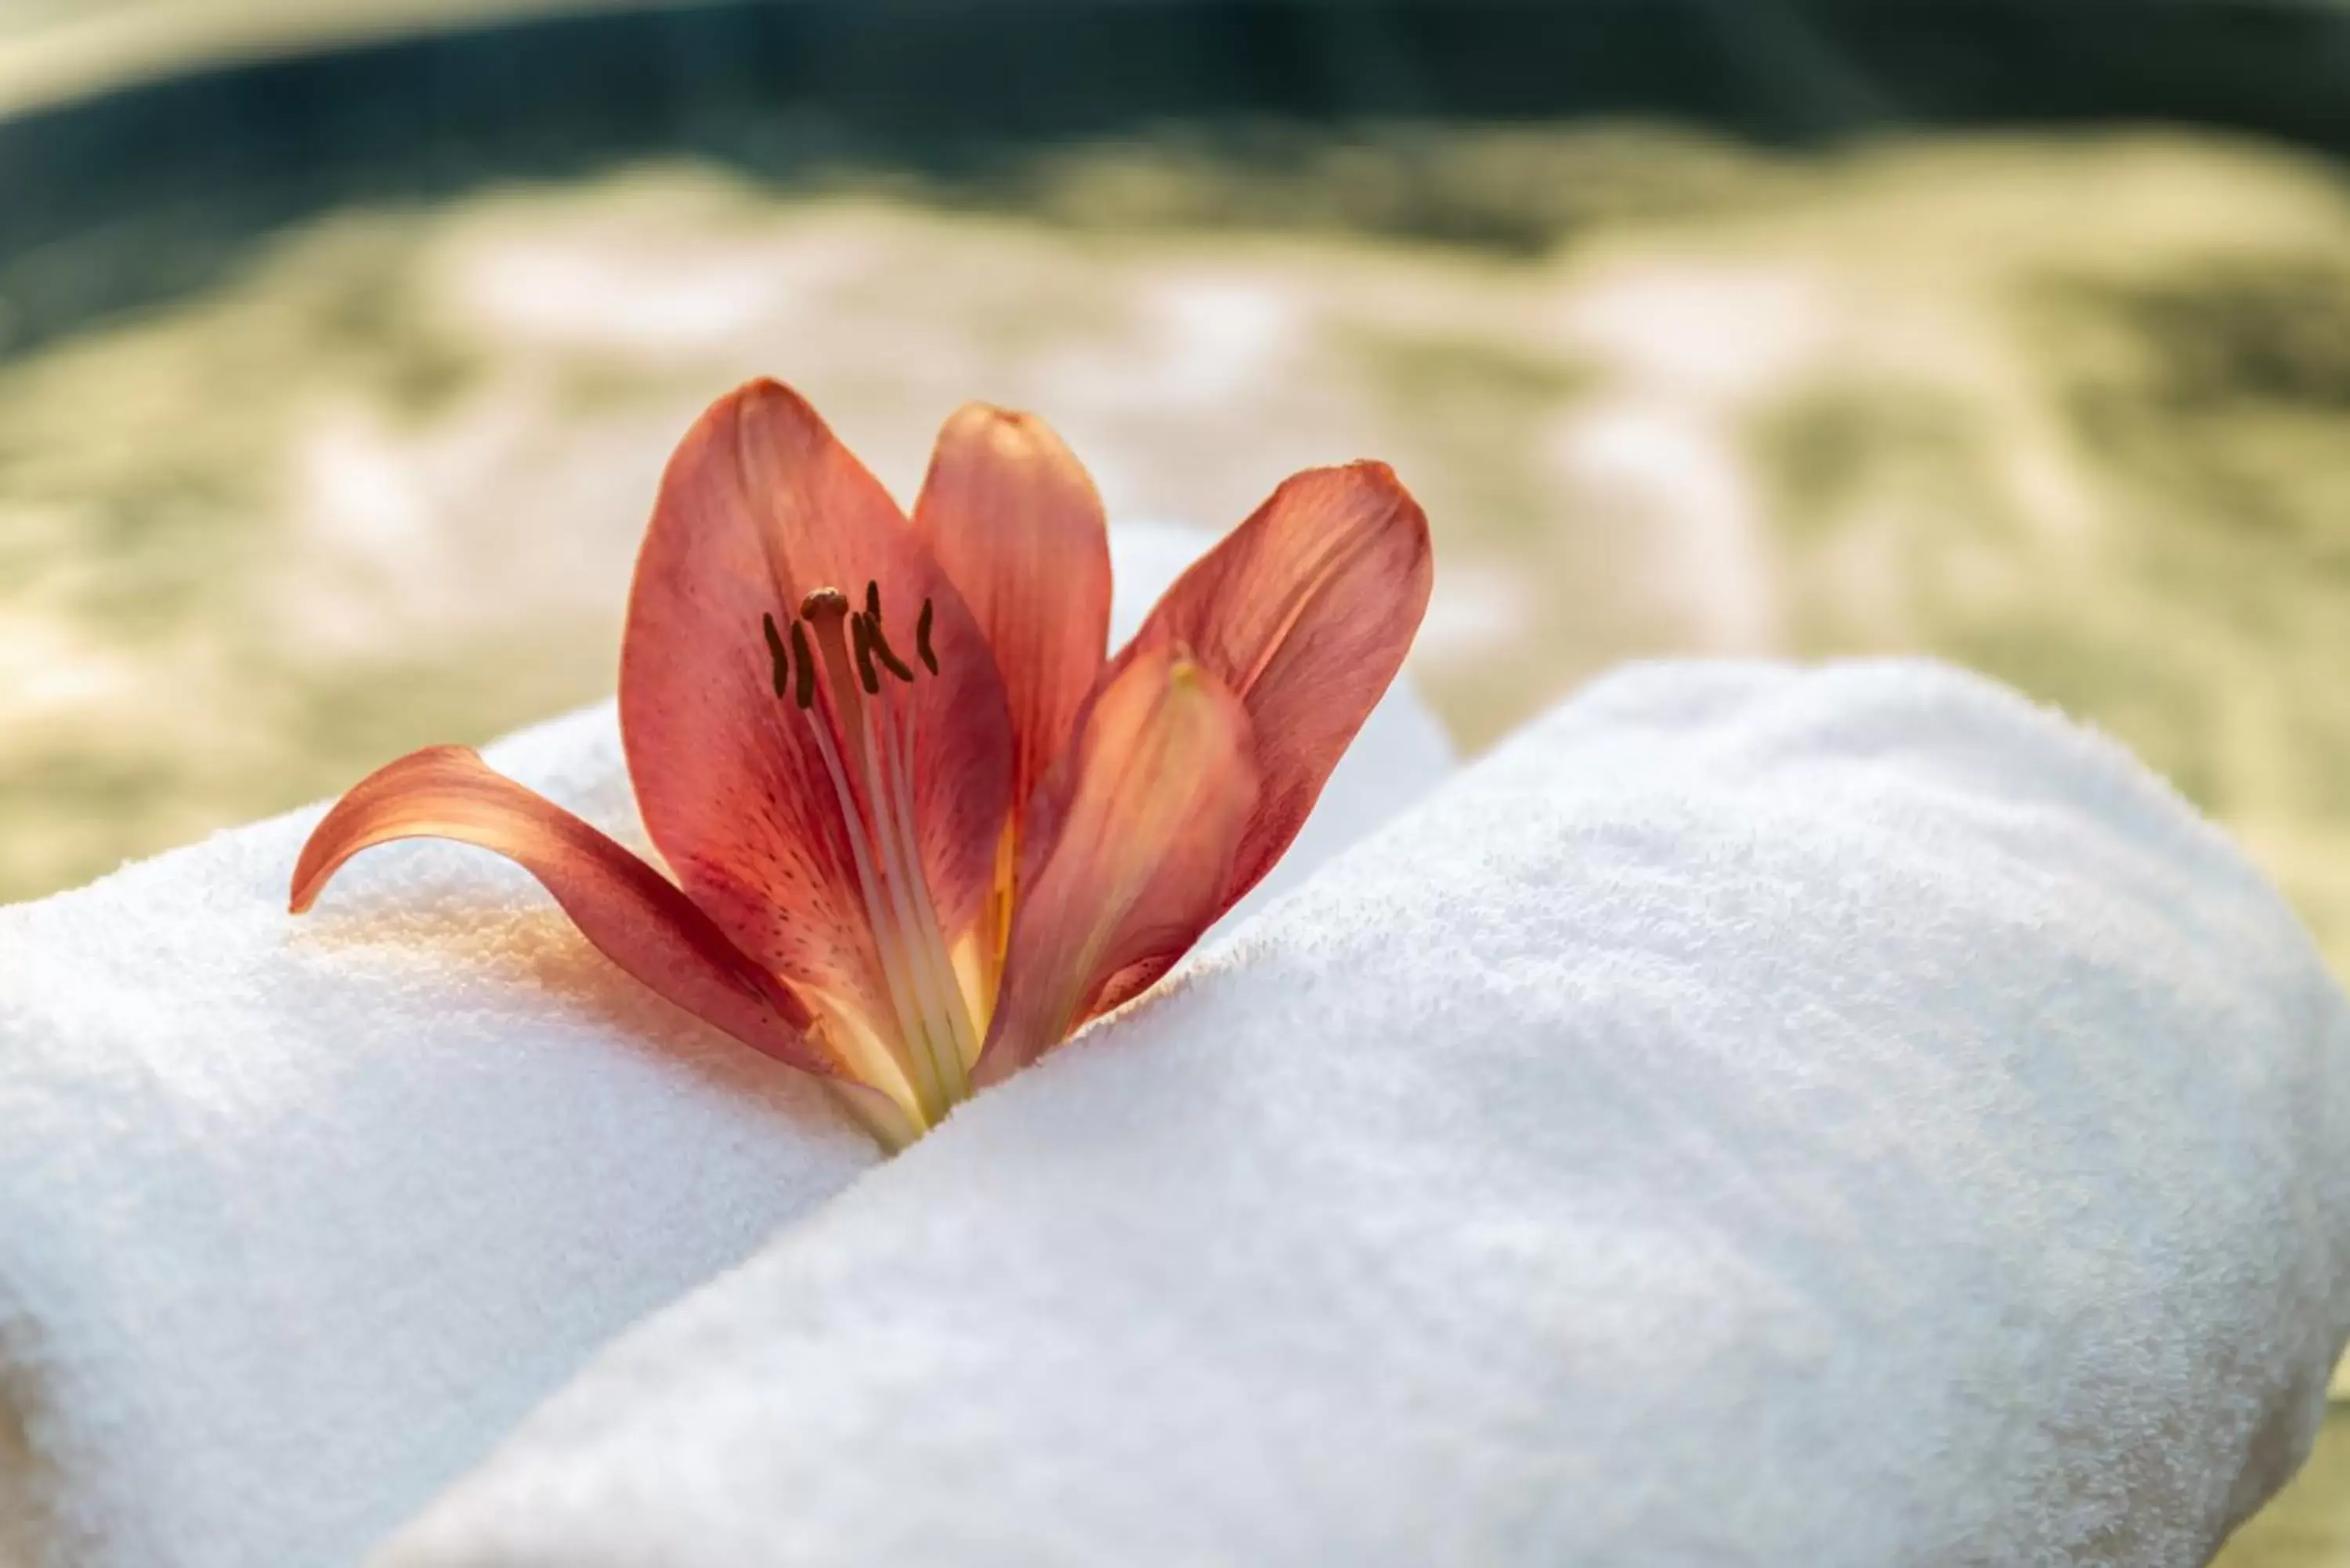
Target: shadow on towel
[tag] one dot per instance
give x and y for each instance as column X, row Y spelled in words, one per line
column 501, row 945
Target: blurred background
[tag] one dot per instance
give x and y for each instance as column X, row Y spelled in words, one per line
column 341, row 342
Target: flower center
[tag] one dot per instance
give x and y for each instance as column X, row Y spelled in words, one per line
column 867, row 746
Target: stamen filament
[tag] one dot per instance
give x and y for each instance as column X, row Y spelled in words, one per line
column 897, row 748
column 936, row 1035
column 941, row 998
column 824, row 609
column 878, row 1114
column 930, row 1095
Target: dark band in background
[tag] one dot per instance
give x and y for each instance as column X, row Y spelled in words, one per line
column 144, row 192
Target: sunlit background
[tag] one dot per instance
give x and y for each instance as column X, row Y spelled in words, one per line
column 341, row 342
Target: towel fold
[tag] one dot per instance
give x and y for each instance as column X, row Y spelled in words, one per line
column 298, row 1217
column 1839, row 1118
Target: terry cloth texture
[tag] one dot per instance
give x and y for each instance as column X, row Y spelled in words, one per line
column 1844, row 1118
column 298, row 1217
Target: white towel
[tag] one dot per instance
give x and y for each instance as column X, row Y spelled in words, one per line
column 1844, row 1119
column 298, row 1217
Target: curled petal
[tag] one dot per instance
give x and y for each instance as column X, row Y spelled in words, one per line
column 1137, row 827
column 728, row 727
column 1012, row 518
column 1304, row 612
column 628, row 910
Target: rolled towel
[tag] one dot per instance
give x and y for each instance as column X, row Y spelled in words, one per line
column 1839, row 1118
column 297, row 1218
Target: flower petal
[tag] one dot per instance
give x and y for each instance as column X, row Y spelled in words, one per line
column 1304, row 612
column 627, row 909
column 1136, row 828
column 1013, row 519
column 760, row 506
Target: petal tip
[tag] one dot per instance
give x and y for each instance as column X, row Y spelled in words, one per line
column 760, row 388
column 761, row 399
column 1382, row 477
column 976, row 411
column 1013, row 433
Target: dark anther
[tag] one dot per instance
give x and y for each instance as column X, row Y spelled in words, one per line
column 885, row 653
column 861, row 634
column 804, row 693
column 923, row 640
column 775, row 654
column 873, row 602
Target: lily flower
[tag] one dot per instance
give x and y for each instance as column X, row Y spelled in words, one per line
column 922, row 828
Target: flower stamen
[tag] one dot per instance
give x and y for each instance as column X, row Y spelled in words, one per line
column 777, row 655
column 860, row 637
column 881, row 642
column 804, row 693
column 934, row 1021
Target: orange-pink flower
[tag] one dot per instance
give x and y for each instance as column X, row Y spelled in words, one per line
column 922, row 828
